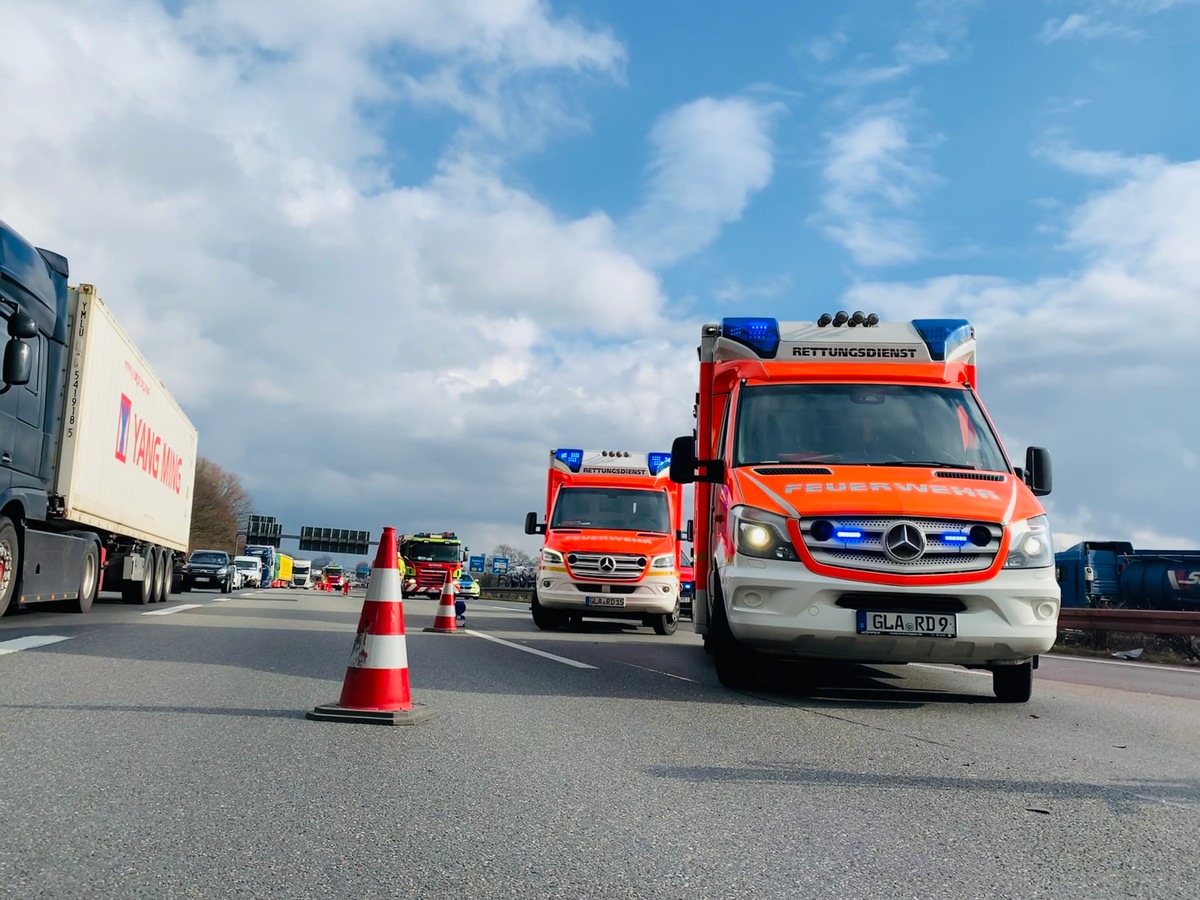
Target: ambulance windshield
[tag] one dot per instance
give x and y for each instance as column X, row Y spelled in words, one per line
column 611, row 509
column 864, row 424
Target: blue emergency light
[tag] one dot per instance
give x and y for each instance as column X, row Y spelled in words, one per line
column 759, row 334
column 572, row 459
column 955, row 537
column 942, row 336
column 658, row 462
column 848, row 534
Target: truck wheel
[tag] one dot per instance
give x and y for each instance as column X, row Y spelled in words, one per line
column 10, row 566
column 1013, row 684
column 736, row 664
column 666, row 623
column 141, row 592
column 545, row 619
column 162, row 574
column 89, row 579
column 168, row 564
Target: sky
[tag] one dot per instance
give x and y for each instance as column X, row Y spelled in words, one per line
column 387, row 255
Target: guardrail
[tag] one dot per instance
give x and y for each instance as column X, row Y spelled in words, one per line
column 506, row 593
column 1141, row 621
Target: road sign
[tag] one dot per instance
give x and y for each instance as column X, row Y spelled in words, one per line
column 499, row 565
column 334, row 540
column 477, row 565
column 263, row 530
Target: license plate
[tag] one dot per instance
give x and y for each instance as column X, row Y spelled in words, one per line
column 203, row 578
column 604, row 601
column 914, row 624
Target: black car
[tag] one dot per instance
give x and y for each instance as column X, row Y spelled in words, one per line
column 209, row 569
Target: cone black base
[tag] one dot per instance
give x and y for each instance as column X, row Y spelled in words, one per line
column 331, row 712
column 461, row 630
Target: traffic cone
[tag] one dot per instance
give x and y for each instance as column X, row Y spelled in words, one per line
column 376, row 687
column 444, row 619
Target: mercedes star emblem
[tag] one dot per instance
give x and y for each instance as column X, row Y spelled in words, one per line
column 904, row 542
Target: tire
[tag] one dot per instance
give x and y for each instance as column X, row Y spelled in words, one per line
column 1013, row 684
column 184, row 585
column 666, row 623
column 10, row 566
column 89, row 581
column 162, row 587
column 736, row 664
column 546, row 619
column 227, row 584
column 142, row 592
column 168, row 562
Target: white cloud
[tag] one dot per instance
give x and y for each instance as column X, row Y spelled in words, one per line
column 1097, row 365
column 826, row 48
column 732, row 290
column 1095, row 163
column 363, row 351
column 1079, row 26
column 708, row 158
column 874, row 174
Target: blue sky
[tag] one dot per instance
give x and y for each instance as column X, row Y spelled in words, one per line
column 388, row 254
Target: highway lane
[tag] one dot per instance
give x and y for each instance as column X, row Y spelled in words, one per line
column 168, row 756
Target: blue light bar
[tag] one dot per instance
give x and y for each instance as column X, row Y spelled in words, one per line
column 942, row 336
column 955, row 537
column 572, row 459
column 759, row 334
column 847, row 534
column 658, row 462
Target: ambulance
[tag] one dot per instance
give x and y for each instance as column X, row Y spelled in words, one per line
column 853, row 501
column 612, row 535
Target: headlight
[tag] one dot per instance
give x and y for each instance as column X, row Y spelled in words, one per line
column 224, row 570
column 551, row 557
column 1030, row 544
column 762, row 534
column 666, row 561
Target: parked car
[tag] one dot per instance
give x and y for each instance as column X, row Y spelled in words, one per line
column 468, row 586
column 210, row 569
column 249, row 571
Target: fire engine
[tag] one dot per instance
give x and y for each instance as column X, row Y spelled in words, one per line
column 428, row 560
column 853, row 501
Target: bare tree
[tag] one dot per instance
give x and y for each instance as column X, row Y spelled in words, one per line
column 515, row 557
column 219, row 506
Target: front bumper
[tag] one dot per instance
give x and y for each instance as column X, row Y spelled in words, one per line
column 782, row 607
column 654, row 594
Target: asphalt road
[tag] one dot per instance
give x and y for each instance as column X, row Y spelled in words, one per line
column 167, row 755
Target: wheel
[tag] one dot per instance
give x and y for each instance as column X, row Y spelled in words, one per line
column 184, row 585
column 142, row 592
column 10, row 565
column 162, row 585
column 666, row 623
column 736, row 664
column 168, row 564
column 227, row 585
column 89, row 579
column 546, row 619
column 1013, row 684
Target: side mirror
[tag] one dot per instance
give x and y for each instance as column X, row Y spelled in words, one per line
column 18, row 360
column 532, row 526
column 685, row 534
column 21, row 325
column 1038, row 474
column 683, row 460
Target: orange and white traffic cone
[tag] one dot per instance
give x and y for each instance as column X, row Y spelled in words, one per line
column 376, row 688
column 444, row 620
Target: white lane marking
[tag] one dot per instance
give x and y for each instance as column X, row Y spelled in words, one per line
column 561, row 659
column 28, row 643
column 659, row 672
column 173, row 609
column 1145, row 667
column 220, row 599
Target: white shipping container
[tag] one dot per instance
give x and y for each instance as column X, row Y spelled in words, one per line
column 128, row 461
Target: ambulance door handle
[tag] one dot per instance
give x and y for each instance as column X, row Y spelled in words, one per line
column 6, row 459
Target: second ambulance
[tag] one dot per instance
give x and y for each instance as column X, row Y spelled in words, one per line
column 612, row 539
column 854, row 502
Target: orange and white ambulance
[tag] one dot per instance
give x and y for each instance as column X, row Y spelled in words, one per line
column 612, row 539
column 853, row 501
